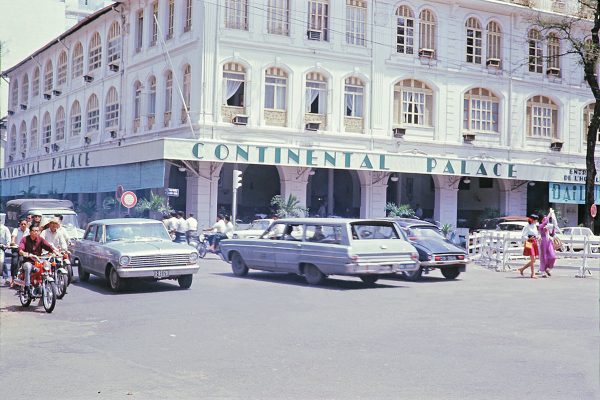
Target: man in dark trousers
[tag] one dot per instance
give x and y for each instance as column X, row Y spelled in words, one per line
column 33, row 244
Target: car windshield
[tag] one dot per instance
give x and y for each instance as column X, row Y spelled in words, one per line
column 425, row 232
column 136, row 232
column 371, row 230
column 259, row 225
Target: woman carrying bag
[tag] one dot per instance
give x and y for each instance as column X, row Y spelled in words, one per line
column 530, row 247
column 547, row 252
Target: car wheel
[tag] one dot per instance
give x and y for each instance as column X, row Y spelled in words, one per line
column 238, row 265
column 185, row 281
column 115, row 281
column 84, row 276
column 313, row 275
column 369, row 279
column 413, row 275
column 450, row 273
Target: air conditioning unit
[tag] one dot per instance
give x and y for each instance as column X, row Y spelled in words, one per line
column 556, row 145
column 10, row 112
column 55, row 147
column 47, row 95
column 240, row 120
column 314, row 35
column 312, row 126
column 493, row 62
column 553, row 71
column 427, row 53
column 23, row 107
column 113, row 134
column 113, row 66
column 468, row 137
column 88, row 78
column 398, row 132
column 56, row 92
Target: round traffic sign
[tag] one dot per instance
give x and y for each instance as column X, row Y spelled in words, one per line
column 128, row 199
column 594, row 210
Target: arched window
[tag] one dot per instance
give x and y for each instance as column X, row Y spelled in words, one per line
column 33, row 134
column 111, row 110
column 187, row 91
column 48, row 74
column 553, row 54
column 114, row 42
column 75, row 119
column 474, row 41
column 168, row 97
column 316, row 94
column 93, row 113
column 95, row 52
column 536, row 53
column 275, row 89
column 151, row 102
column 542, row 118
column 480, row 112
column 405, row 30
column 35, row 86
column 354, row 97
column 23, row 137
column 494, row 42
column 46, row 129
column 427, row 31
column 77, row 60
column 137, row 105
column 234, row 82
column 59, row 125
column 61, row 69
column 12, row 141
column 14, row 94
column 25, row 90
column 413, row 103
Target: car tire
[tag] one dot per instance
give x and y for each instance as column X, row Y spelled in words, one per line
column 450, row 273
column 185, row 281
column 313, row 275
column 114, row 280
column 84, row 276
column 413, row 276
column 369, row 280
column 238, row 265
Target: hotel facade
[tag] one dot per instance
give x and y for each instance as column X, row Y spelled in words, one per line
column 459, row 109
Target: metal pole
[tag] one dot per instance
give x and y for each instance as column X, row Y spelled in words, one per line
column 234, row 207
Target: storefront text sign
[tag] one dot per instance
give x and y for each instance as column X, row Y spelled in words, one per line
column 570, row 193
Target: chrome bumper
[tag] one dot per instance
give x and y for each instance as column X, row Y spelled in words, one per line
column 148, row 272
column 380, row 268
column 461, row 264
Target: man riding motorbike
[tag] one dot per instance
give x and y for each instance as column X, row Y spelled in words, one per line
column 17, row 235
column 33, row 244
column 54, row 236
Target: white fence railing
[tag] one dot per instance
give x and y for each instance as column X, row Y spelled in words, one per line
column 502, row 250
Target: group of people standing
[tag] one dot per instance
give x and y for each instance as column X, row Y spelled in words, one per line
column 180, row 228
column 539, row 243
column 31, row 238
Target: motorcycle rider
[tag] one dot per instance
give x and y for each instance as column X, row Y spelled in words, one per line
column 54, row 236
column 30, row 245
column 62, row 230
column 218, row 229
column 17, row 235
column 5, row 240
column 36, row 219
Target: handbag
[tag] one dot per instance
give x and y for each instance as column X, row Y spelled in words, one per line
column 528, row 245
column 557, row 243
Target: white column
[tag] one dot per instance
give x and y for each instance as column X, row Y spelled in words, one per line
column 294, row 181
column 446, row 199
column 373, row 194
column 513, row 197
column 201, row 193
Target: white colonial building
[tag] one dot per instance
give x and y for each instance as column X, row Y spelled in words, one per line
column 346, row 104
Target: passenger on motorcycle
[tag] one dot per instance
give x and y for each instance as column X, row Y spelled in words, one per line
column 36, row 219
column 33, row 244
column 218, row 230
column 54, row 236
column 61, row 229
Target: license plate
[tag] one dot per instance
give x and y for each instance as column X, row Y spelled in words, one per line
column 161, row 274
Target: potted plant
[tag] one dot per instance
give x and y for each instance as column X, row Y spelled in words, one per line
column 402, row 210
column 155, row 206
column 288, row 208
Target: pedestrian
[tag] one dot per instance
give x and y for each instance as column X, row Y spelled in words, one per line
column 180, row 228
column 530, row 247
column 5, row 240
column 192, row 226
column 547, row 252
column 172, row 223
column 17, row 235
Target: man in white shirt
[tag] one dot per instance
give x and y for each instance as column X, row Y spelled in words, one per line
column 5, row 240
column 53, row 236
column 181, row 228
column 218, row 229
column 192, row 227
column 172, row 223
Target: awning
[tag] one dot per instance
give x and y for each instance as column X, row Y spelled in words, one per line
column 142, row 175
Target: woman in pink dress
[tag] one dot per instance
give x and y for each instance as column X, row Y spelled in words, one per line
column 547, row 252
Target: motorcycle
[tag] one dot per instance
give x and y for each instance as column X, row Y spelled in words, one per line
column 42, row 284
column 60, row 274
column 201, row 243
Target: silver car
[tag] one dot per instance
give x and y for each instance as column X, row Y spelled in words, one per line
column 318, row 247
column 124, row 248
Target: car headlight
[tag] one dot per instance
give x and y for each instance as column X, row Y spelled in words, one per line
column 193, row 257
column 124, row 260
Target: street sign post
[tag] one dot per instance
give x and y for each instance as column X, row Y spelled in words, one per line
column 129, row 199
column 594, row 210
column 118, row 195
column 171, row 192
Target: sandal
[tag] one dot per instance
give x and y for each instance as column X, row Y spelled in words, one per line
column 548, row 273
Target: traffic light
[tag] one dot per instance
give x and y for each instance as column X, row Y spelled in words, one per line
column 237, row 179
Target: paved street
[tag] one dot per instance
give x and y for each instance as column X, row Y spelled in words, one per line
column 488, row 335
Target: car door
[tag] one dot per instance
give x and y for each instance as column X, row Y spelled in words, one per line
column 83, row 246
column 287, row 254
column 95, row 251
column 261, row 253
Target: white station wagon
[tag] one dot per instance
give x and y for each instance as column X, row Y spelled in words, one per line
column 319, row 247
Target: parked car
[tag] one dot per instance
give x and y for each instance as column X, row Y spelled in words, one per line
column 435, row 251
column 133, row 248
column 319, row 247
column 578, row 234
column 256, row 228
column 493, row 223
column 512, row 226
